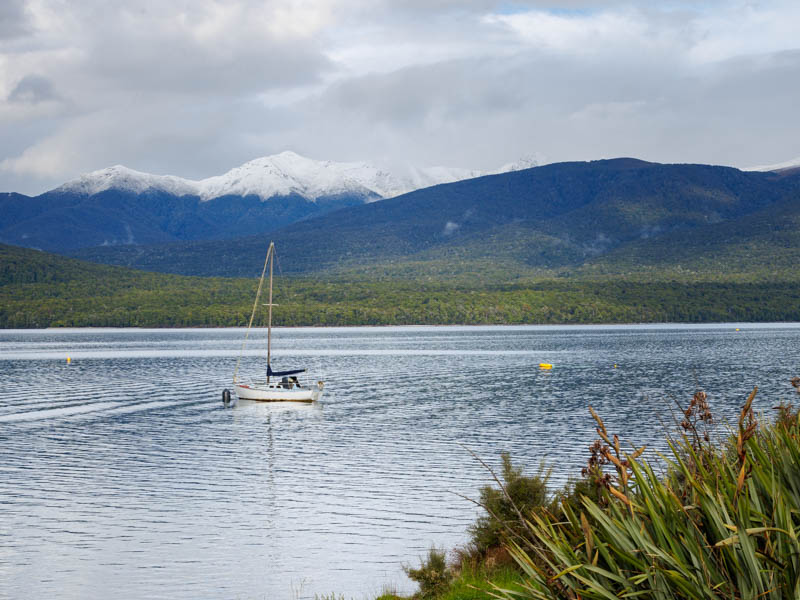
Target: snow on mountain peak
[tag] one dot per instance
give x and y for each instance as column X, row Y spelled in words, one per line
column 289, row 173
column 789, row 164
column 284, row 174
column 119, row 177
column 526, row 162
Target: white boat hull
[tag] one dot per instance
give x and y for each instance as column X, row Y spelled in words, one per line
column 273, row 392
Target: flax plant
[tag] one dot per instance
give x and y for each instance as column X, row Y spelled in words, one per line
column 722, row 521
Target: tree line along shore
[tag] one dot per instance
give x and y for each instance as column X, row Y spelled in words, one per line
column 156, row 300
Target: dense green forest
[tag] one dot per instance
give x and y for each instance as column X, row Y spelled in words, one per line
column 44, row 290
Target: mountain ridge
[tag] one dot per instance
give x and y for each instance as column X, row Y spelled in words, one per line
column 120, row 206
column 787, row 165
column 554, row 217
column 283, row 174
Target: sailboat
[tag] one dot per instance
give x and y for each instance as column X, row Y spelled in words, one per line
column 279, row 386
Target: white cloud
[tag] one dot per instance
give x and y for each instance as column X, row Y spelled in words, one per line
column 193, row 87
column 747, row 28
column 51, row 157
column 575, row 34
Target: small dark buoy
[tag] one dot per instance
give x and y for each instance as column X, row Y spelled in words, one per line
column 226, row 397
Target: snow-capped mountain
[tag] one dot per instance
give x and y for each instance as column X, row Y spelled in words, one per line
column 410, row 177
column 526, row 162
column 120, row 206
column 284, row 174
column 123, row 178
column 789, row 164
column 289, row 173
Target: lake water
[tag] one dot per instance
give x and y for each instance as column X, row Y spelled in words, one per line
column 122, row 475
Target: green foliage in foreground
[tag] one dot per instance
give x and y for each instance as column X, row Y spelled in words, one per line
column 480, row 584
column 484, row 564
column 719, row 520
column 520, row 494
column 43, row 290
column 468, row 582
column 433, row 575
column 722, row 522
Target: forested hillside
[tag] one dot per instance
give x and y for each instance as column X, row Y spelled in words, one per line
column 62, row 221
column 44, row 290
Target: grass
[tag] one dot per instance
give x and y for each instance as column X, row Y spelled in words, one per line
column 481, row 583
column 472, row 582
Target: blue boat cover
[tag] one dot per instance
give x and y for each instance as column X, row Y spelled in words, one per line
column 271, row 373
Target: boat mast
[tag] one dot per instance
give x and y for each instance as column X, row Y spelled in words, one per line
column 271, row 254
column 253, row 314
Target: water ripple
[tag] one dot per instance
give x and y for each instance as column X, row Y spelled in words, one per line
column 123, row 475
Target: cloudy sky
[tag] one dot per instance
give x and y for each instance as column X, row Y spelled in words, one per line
column 195, row 87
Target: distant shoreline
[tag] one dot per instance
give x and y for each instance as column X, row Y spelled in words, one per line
column 470, row 327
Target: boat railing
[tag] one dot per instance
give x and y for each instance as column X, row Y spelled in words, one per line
column 294, row 382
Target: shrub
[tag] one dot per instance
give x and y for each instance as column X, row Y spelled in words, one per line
column 433, row 576
column 517, row 495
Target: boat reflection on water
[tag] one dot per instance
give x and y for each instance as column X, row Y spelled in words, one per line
column 245, row 407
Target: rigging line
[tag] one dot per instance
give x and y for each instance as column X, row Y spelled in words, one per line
column 278, row 261
column 253, row 314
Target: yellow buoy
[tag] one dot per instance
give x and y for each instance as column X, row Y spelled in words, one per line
column 545, row 366
column 69, row 360
column 615, row 365
column 737, row 329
